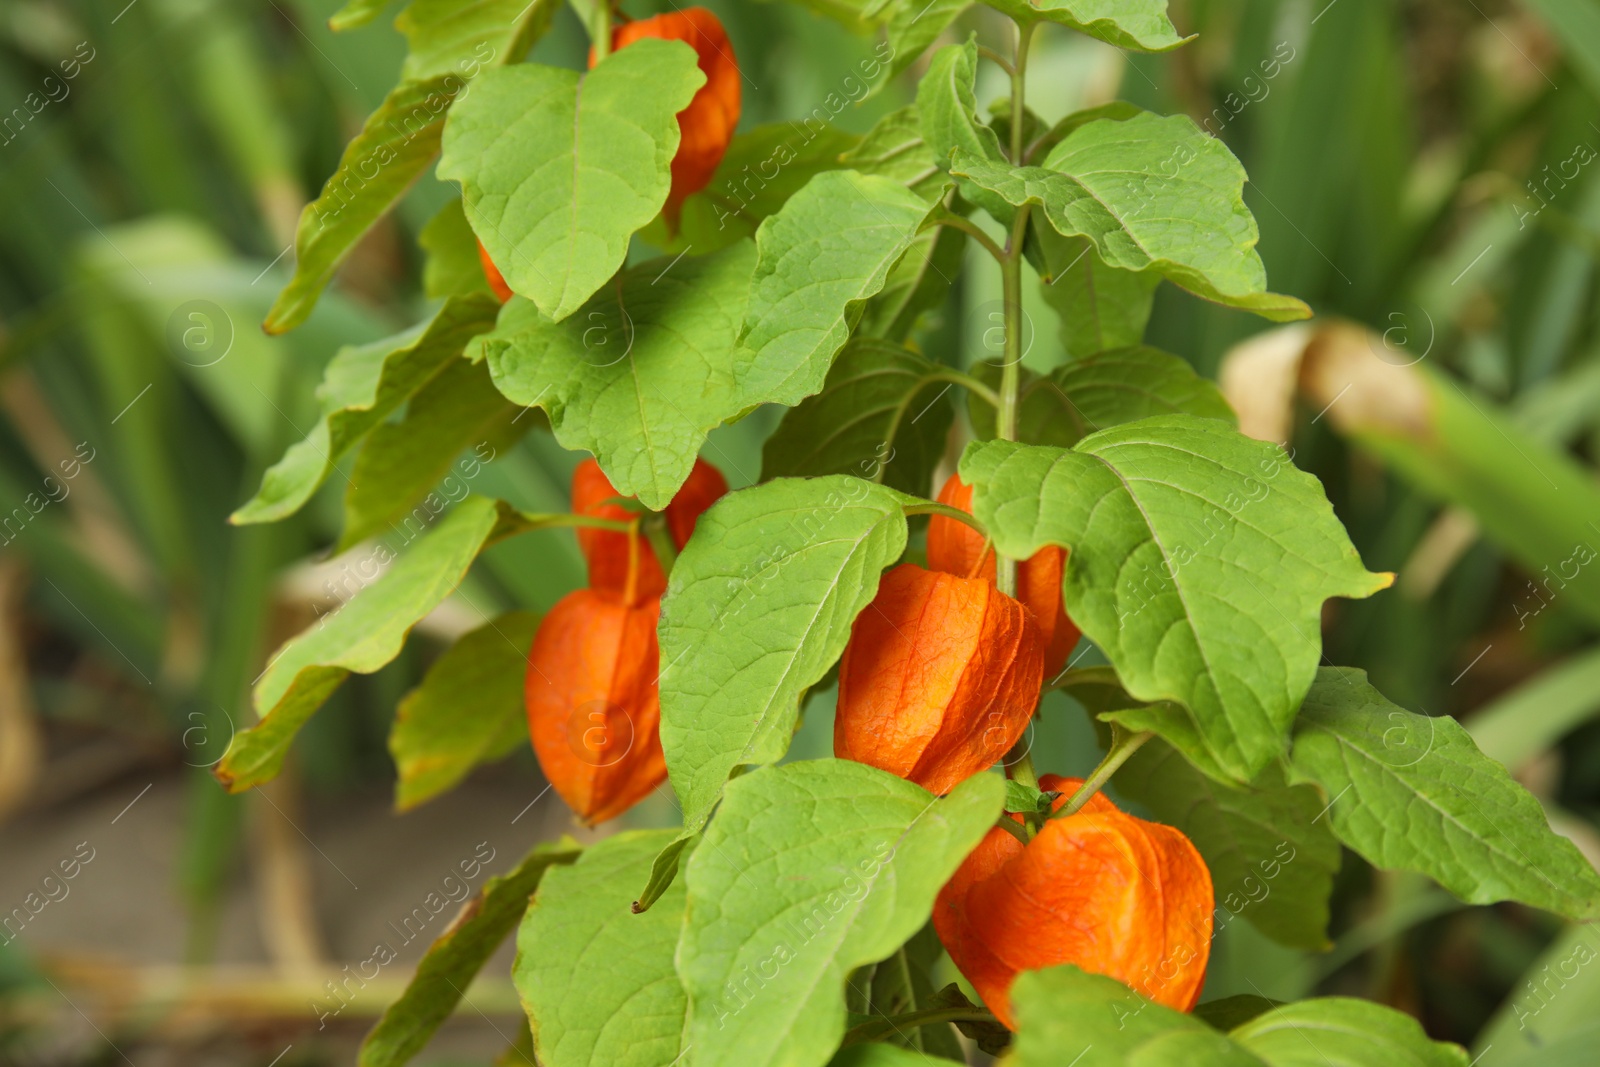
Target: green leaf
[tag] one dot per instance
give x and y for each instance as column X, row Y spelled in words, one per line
column 1229, row 1012
column 452, row 267
column 415, row 460
column 1100, row 307
column 452, row 37
column 1116, row 110
column 1344, row 1032
column 760, row 172
column 1152, row 194
column 457, row 955
column 878, row 1054
column 894, row 149
column 356, row 13
column 1063, row 1010
column 363, row 386
column 663, row 871
column 642, row 374
column 810, row 870
column 596, row 979
column 1024, row 798
column 559, row 168
column 819, row 259
column 468, row 710
column 1100, row 392
column 1137, row 25
column 1064, row 1013
column 360, row 636
column 1466, row 823
column 947, row 107
column 1200, row 560
column 758, row 607
column 918, row 284
column 392, row 150
column 880, row 416
column 1272, row 860
column 913, row 26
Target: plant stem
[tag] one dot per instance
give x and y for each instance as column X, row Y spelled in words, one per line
column 590, row 521
column 660, row 538
column 600, row 20
column 997, row 59
column 967, row 382
column 932, row 508
column 1088, row 676
column 973, row 230
column 1005, row 577
column 1019, row 68
column 876, row 1028
column 1123, row 745
column 1012, row 827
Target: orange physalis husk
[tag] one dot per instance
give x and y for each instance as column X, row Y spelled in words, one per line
column 625, row 564
column 497, row 281
column 1100, row 889
column 957, row 548
column 593, row 706
column 706, row 125
column 939, row 678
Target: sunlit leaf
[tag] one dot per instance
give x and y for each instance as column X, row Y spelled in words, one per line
column 810, row 870
column 1412, row 792
column 559, row 168
column 1200, row 560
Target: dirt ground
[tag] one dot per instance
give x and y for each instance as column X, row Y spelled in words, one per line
column 111, row 938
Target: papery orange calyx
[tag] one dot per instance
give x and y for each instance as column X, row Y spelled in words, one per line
column 939, row 679
column 1100, row 889
column 956, row 548
column 593, row 706
column 706, row 126
column 497, row 281
column 624, row 563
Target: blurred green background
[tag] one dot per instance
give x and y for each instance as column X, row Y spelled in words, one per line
column 1423, row 167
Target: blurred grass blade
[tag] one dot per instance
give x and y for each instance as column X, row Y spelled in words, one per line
column 1536, row 503
column 1549, row 1019
column 1537, row 714
column 1576, row 24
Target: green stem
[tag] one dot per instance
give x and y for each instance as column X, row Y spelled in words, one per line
column 660, row 538
column 973, row 230
column 1012, row 827
column 600, row 29
column 1123, row 745
column 1005, row 577
column 1019, row 69
column 1102, row 676
column 997, row 59
column 967, row 382
column 877, row 1028
column 930, row 507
